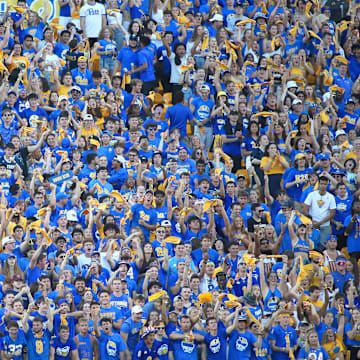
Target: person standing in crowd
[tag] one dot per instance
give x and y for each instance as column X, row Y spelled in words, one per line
column 179, row 180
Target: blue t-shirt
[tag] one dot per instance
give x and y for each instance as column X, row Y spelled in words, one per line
column 216, row 345
column 179, row 115
column 185, row 349
column 111, row 346
column 38, row 346
column 283, row 338
column 241, row 344
column 139, row 211
column 10, row 346
column 203, row 109
column 133, row 330
column 63, row 350
column 313, row 353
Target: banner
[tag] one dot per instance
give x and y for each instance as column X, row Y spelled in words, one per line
column 37, row 6
column 59, row 179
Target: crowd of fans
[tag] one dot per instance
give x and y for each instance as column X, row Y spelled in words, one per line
column 179, row 180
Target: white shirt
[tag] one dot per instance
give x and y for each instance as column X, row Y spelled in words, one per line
column 207, row 284
column 175, row 69
column 320, row 206
column 83, row 263
column 93, row 18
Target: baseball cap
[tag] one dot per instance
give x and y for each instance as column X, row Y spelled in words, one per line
column 291, row 84
column 259, row 15
column 297, row 101
column 339, row 132
column 143, row 159
column 147, row 330
column 350, row 100
column 165, row 223
column 217, row 17
column 76, row 88
column 7, row 239
column 17, row 278
column 331, row 237
column 137, row 309
column 60, row 196
column 133, row 37
column 177, row 298
column 324, row 157
column 205, row 87
column 81, row 58
column 62, row 97
column 88, row 117
column 299, row 156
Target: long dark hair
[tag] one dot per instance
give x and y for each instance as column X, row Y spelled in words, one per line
column 229, row 130
column 266, row 153
column 177, row 57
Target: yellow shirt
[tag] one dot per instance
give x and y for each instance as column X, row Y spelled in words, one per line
column 64, row 90
column 91, row 132
column 276, row 167
column 22, row 223
column 309, row 269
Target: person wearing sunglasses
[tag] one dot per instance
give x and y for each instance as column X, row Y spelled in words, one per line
column 257, row 218
column 341, row 275
column 161, row 340
column 160, row 236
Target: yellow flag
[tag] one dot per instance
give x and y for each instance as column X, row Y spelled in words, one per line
column 205, row 43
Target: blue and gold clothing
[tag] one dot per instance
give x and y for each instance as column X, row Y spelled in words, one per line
column 271, row 300
column 283, row 338
column 240, row 345
column 216, row 345
column 10, row 346
column 85, row 348
column 38, row 344
column 111, row 346
column 83, row 79
column 63, row 350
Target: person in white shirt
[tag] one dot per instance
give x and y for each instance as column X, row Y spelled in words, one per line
column 207, row 282
column 320, row 205
column 84, row 260
column 92, row 20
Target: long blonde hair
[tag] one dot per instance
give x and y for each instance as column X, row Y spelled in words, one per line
column 6, row 271
column 307, row 345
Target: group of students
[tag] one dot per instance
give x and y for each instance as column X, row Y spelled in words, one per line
column 179, row 180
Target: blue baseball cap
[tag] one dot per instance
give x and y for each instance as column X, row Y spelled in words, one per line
column 62, row 195
column 324, row 157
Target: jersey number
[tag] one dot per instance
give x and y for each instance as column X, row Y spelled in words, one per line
column 39, row 346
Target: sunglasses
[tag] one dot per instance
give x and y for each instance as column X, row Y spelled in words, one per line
column 341, row 263
column 152, row 129
column 242, row 263
column 161, row 231
column 160, row 328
